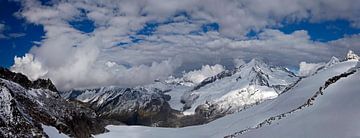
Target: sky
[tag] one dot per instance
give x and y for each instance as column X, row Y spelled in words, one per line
column 88, row 43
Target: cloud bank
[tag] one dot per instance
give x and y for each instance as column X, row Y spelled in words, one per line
column 123, row 49
column 29, row 66
column 307, row 69
column 206, row 71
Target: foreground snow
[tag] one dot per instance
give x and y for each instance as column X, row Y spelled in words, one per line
column 52, row 132
column 334, row 114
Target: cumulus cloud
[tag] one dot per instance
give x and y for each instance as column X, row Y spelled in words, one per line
column 127, row 15
column 74, row 59
column 88, row 65
column 206, row 71
column 306, row 69
column 239, row 62
column 86, row 74
column 29, row 66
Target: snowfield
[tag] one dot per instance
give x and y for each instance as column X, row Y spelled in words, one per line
column 251, row 83
column 333, row 114
column 212, row 90
column 52, row 132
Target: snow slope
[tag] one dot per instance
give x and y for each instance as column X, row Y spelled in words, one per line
column 225, row 92
column 192, row 99
column 175, row 88
column 335, row 114
column 288, row 101
column 251, row 83
column 52, row 132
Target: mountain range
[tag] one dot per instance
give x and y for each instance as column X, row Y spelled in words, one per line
column 252, row 100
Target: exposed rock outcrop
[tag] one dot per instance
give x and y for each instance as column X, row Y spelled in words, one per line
column 27, row 105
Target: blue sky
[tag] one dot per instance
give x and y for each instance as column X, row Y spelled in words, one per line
column 18, row 46
column 124, row 38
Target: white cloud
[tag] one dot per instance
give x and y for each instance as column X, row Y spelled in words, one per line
column 74, row 59
column 236, row 18
column 29, row 66
column 90, row 64
column 206, row 71
column 238, row 62
column 307, row 69
column 110, row 64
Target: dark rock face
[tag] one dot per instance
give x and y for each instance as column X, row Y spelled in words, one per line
column 212, row 79
column 25, row 82
column 137, row 106
column 260, row 78
column 27, row 104
column 12, row 121
column 132, row 106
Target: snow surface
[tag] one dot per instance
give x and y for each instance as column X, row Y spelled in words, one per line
column 175, row 87
column 333, row 107
column 253, row 82
column 307, row 69
column 352, row 56
column 334, row 115
column 52, row 132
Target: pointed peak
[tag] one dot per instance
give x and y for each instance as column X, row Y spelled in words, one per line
column 258, row 63
column 332, row 61
column 334, row 58
column 352, row 56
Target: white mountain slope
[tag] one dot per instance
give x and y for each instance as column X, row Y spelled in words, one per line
column 333, row 115
column 173, row 87
column 337, row 107
column 226, row 92
column 251, row 83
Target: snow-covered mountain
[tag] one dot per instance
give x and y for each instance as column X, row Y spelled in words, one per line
column 233, row 90
column 204, row 99
column 320, row 105
column 352, row 56
column 252, row 100
column 128, row 105
column 30, row 108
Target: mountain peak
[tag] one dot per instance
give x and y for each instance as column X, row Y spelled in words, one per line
column 332, row 61
column 352, row 56
column 25, row 82
column 256, row 61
